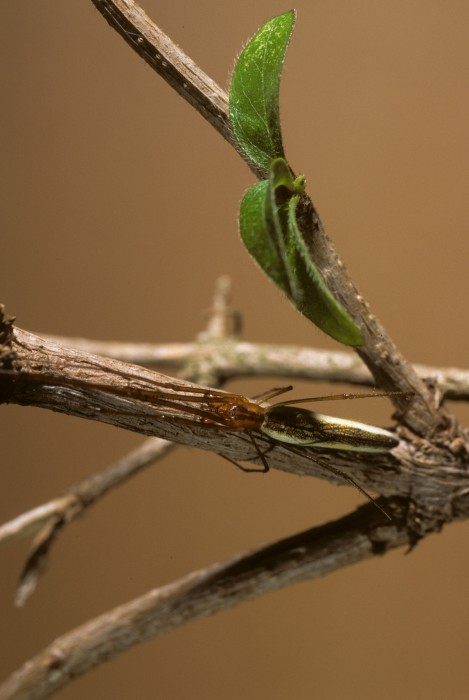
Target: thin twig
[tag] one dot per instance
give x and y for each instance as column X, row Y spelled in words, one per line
column 235, row 359
column 305, row 556
column 171, row 63
column 49, row 519
column 85, row 493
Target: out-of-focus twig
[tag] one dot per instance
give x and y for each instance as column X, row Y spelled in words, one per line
column 235, row 359
column 48, row 520
column 310, row 554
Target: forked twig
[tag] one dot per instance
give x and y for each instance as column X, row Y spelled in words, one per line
column 389, row 368
column 427, row 480
column 47, row 521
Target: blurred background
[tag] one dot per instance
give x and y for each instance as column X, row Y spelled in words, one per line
column 119, row 211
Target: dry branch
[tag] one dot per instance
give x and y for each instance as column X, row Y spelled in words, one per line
column 47, row 375
column 307, row 555
column 49, row 519
column 232, row 358
column 424, row 480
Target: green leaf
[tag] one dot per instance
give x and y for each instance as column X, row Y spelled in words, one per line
column 254, row 110
column 259, row 235
column 313, row 298
column 269, row 230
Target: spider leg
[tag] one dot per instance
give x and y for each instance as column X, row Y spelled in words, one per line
column 267, row 395
column 338, row 472
column 260, row 470
column 245, row 469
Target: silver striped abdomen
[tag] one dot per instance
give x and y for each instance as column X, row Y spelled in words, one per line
column 299, row 426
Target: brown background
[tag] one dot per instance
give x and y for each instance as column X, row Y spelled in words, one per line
column 119, row 209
